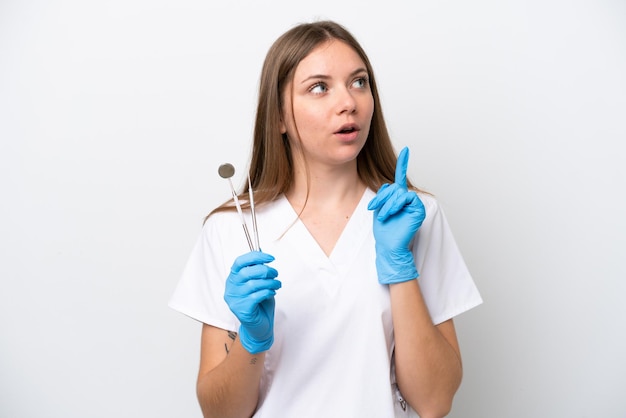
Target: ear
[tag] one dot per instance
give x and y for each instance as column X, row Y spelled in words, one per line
column 283, row 127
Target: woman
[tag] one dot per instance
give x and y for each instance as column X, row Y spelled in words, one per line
column 349, row 330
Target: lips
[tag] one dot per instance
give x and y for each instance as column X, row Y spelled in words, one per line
column 347, row 128
column 348, row 133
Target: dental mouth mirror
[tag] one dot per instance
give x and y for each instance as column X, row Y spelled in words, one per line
column 254, row 228
column 227, row 171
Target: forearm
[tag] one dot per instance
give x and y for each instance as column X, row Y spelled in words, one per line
column 428, row 365
column 231, row 389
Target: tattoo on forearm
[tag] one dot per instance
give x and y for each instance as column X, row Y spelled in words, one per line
column 232, row 335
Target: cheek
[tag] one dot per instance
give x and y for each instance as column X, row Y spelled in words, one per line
column 370, row 113
column 309, row 118
column 369, row 106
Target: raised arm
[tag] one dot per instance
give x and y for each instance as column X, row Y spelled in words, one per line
column 231, row 364
column 229, row 376
column 427, row 358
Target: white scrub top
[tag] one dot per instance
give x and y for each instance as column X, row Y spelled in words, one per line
column 333, row 334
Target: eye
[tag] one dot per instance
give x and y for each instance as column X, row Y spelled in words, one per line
column 318, row 88
column 360, row 82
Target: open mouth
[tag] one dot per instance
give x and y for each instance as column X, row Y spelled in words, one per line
column 347, row 129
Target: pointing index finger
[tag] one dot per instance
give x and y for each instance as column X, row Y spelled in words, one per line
column 401, row 166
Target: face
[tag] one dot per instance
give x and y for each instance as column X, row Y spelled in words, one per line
column 330, row 103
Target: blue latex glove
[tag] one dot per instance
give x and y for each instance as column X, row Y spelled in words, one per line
column 250, row 289
column 398, row 214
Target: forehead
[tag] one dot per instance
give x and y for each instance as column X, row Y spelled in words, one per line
column 328, row 58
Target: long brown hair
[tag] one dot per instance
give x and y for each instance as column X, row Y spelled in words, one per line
column 271, row 165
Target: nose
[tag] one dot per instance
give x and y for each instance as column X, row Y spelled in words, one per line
column 346, row 102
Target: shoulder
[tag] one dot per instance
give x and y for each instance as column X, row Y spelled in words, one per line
column 224, row 217
column 221, row 224
column 431, row 204
column 226, row 225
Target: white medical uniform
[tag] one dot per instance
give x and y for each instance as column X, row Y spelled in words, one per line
column 333, row 334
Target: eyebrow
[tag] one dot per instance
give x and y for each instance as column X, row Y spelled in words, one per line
column 326, row 77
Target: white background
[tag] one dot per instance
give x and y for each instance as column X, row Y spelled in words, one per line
column 114, row 117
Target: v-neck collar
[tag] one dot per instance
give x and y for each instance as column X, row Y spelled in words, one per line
column 347, row 245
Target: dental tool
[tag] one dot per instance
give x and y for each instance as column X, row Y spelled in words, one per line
column 253, row 212
column 227, row 171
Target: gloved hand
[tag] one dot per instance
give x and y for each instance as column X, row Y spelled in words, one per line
column 250, row 290
column 398, row 214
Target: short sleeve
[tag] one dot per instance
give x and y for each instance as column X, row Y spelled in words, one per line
column 445, row 281
column 200, row 290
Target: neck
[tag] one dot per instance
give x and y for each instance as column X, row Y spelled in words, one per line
column 327, row 186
